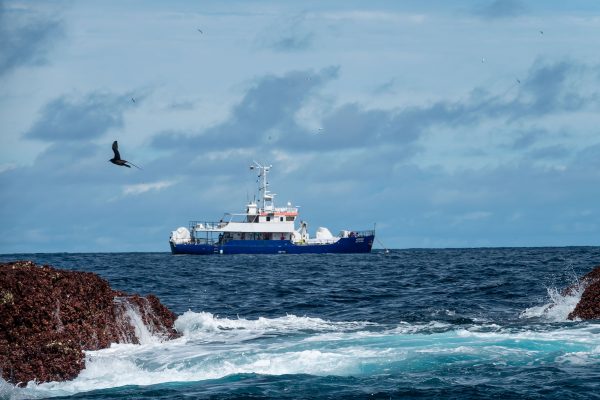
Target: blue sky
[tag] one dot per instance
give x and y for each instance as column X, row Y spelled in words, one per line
column 449, row 124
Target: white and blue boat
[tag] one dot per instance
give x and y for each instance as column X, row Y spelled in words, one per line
column 265, row 229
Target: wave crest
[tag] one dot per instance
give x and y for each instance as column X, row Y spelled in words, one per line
column 194, row 324
column 559, row 307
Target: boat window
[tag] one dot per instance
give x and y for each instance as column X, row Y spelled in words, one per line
column 280, row 218
column 289, row 218
column 268, row 218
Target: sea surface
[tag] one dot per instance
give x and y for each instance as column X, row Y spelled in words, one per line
column 443, row 324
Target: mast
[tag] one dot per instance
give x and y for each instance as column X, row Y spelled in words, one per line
column 263, row 186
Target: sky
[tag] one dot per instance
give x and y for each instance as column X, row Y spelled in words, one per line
column 443, row 124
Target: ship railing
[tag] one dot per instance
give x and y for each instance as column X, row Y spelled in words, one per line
column 208, row 241
column 206, row 226
column 287, row 209
column 363, row 233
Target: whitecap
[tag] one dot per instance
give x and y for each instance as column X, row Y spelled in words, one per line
column 559, row 308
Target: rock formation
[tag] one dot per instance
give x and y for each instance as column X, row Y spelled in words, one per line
column 589, row 304
column 48, row 317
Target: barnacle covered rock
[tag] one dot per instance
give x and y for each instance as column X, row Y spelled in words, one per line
column 48, row 317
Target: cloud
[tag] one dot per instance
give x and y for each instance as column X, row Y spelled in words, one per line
column 293, row 42
column 26, row 37
column 146, row 187
column 526, row 139
column 7, row 167
column 362, row 16
column 554, row 86
column 184, row 105
column 550, row 152
column 351, row 126
column 471, row 216
column 265, row 112
column 388, row 87
column 291, row 36
column 269, row 115
column 501, row 9
column 548, row 88
column 66, row 119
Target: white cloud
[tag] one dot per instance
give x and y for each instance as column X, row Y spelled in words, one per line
column 140, row 188
column 7, row 167
column 471, row 216
column 377, row 16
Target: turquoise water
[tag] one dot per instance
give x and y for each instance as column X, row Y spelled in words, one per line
column 460, row 323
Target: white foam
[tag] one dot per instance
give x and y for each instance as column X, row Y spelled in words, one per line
column 559, row 308
column 433, row 326
column 214, row 347
column 205, row 325
column 8, row 391
column 142, row 333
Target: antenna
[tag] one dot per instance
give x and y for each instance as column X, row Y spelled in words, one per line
column 263, row 184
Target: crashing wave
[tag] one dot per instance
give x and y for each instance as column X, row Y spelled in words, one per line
column 560, row 306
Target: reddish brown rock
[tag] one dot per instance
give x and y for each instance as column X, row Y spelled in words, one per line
column 589, row 304
column 48, row 317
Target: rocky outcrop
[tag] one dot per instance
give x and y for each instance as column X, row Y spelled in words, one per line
column 48, row 317
column 589, row 304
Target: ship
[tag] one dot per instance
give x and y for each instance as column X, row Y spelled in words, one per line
column 265, row 229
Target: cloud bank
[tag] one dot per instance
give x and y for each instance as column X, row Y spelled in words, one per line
column 26, row 37
column 80, row 119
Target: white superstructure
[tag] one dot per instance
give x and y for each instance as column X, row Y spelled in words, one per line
column 261, row 220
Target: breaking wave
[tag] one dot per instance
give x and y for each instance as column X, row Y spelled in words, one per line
column 214, row 348
column 559, row 307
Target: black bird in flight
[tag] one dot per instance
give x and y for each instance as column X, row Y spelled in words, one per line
column 117, row 158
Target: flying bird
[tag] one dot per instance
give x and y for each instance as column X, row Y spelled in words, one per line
column 200, row 30
column 133, row 99
column 541, row 32
column 117, row 158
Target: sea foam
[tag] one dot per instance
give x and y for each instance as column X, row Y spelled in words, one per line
column 213, row 348
column 559, row 307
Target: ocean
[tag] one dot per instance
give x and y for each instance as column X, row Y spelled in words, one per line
column 419, row 323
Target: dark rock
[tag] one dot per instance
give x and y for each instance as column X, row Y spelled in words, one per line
column 589, row 304
column 48, row 317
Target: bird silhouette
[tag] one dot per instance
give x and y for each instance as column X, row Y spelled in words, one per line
column 117, row 158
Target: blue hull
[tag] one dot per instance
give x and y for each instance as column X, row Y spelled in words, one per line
column 344, row 245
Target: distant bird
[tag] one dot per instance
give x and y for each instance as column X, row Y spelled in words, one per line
column 117, row 158
column 518, row 80
column 482, row 59
column 541, row 32
column 133, row 99
column 200, row 30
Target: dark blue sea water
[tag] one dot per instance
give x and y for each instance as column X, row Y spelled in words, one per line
column 454, row 323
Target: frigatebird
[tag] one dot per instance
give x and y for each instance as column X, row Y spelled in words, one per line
column 117, row 158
